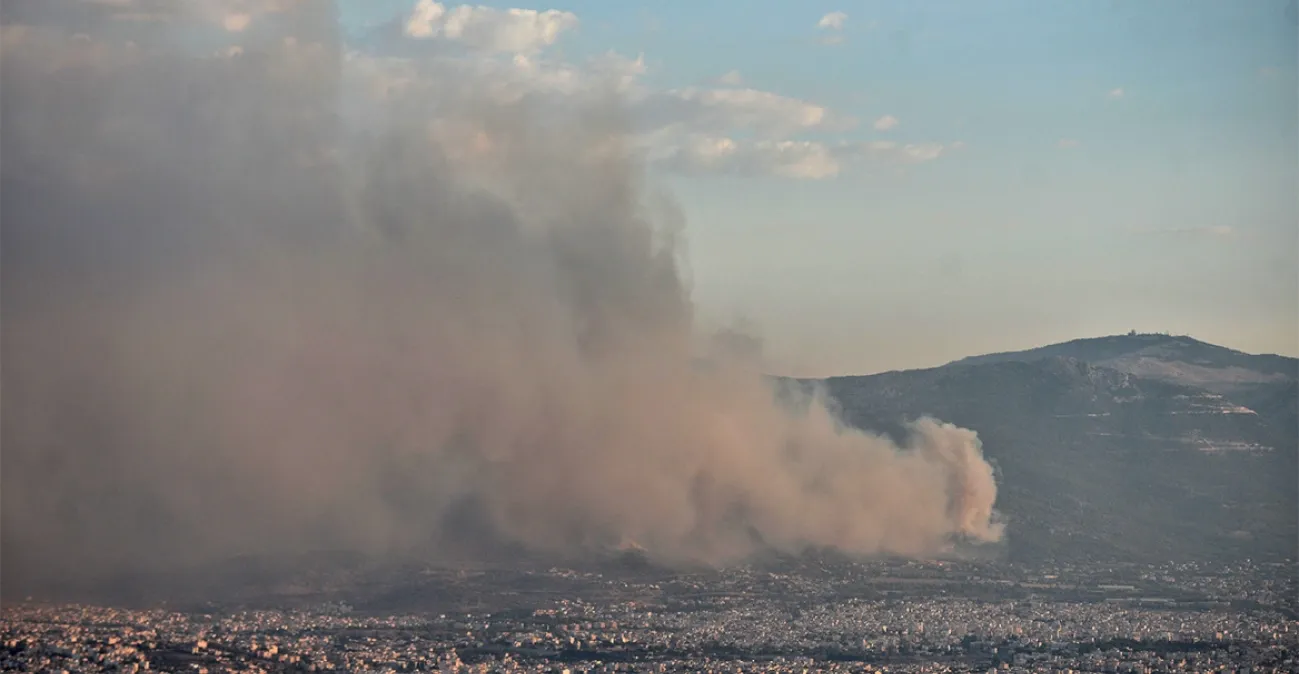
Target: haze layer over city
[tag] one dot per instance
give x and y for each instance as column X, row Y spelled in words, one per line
column 408, row 336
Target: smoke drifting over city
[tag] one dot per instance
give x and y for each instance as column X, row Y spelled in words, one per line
column 290, row 296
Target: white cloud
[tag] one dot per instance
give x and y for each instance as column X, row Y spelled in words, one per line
column 832, row 21
column 1115, row 93
column 525, row 75
column 510, row 30
column 702, row 110
column 740, row 131
column 722, row 129
column 236, row 21
column 915, row 153
column 422, row 19
column 505, row 78
column 885, row 123
column 1067, row 143
column 806, row 160
column 797, row 159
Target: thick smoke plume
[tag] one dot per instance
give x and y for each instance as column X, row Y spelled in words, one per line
column 289, row 297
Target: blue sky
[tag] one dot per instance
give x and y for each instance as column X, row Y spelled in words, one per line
column 1104, row 166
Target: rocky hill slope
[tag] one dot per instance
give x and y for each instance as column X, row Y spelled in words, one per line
column 1107, row 450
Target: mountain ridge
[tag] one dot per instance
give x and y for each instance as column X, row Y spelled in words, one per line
column 1178, row 358
column 1101, row 463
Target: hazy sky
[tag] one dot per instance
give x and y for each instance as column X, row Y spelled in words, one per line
column 877, row 185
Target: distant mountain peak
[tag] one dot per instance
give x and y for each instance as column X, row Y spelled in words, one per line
column 1136, row 446
column 1177, row 359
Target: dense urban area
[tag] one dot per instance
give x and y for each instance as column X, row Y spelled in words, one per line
column 804, row 615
